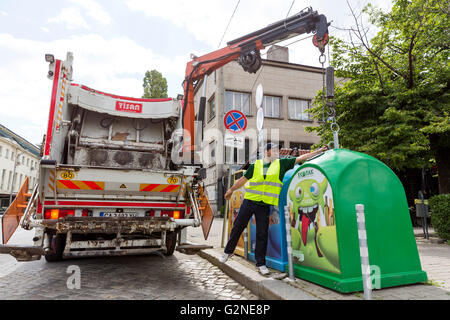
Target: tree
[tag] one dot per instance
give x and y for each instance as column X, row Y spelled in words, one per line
column 395, row 102
column 155, row 85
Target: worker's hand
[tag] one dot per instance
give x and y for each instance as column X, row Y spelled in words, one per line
column 228, row 194
column 323, row 149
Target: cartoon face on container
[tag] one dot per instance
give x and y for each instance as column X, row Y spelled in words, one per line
column 313, row 231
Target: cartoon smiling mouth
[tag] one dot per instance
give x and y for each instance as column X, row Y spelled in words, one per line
column 308, row 216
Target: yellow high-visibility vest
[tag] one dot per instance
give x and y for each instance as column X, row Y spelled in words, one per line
column 266, row 190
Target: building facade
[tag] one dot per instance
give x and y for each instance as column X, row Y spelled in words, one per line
column 289, row 90
column 18, row 159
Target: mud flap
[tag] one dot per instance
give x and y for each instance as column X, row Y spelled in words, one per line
column 23, row 253
column 188, row 248
column 206, row 212
column 13, row 215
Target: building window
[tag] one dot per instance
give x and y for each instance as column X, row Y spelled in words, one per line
column 3, row 178
column 212, row 153
column 1, row 150
column 238, row 156
column 271, row 106
column 212, row 108
column 28, row 162
column 12, row 155
column 298, row 109
column 9, row 180
column 237, row 101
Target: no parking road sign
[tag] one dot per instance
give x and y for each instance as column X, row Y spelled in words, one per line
column 235, row 121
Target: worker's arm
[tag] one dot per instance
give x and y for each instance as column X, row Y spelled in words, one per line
column 305, row 157
column 239, row 183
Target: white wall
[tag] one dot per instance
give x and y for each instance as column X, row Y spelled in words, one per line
column 27, row 165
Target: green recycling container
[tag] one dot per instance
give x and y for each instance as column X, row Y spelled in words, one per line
column 321, row 196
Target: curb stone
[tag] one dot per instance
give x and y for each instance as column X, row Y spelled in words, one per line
column 265, row 288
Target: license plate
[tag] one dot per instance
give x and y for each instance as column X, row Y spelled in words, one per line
column 119, row 214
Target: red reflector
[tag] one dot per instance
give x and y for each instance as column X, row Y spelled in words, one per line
column 47, row 214
column 177, row 214
column 58, row 213
column 66, row 212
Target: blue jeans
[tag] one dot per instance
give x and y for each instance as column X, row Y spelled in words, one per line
column 261, row 212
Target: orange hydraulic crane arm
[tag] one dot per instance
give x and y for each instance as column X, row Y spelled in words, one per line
column 246, row 50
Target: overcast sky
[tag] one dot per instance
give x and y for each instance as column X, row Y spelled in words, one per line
column 115, row 41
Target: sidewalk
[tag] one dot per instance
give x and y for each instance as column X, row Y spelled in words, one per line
column 434, row 256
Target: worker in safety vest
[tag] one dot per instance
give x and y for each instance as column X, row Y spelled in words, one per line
column 265, row 178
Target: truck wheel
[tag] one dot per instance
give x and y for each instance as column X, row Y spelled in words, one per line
column 171, row 242
column 57, row 244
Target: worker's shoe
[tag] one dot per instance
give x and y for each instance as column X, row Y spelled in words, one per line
column 225, row 257
column 263, row 270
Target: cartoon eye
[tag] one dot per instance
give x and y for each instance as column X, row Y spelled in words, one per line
column 298, row 192
column 314, row 189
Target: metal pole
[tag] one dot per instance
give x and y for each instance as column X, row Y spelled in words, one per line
column 424, row 215
column 225, row 216
column 364, row 252
column 287, row 217
column 245, row 243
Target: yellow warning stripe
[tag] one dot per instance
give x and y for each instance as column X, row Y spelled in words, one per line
column 80, row 185
column 149, row 187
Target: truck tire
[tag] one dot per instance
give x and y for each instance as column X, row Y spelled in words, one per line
column 171, row 242
column 57, row 244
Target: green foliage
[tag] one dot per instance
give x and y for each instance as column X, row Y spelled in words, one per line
column 440, row 215
column 394, row 96
column 155, row 85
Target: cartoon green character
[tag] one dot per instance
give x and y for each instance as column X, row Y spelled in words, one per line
column 318, row 245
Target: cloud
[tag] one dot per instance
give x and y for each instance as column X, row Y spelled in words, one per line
column 207, row 20
column 45, row 29
column 94, row 10
column 3, row 13
column 71, row 17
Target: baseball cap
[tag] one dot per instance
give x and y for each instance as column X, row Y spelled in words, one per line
column 271, row 145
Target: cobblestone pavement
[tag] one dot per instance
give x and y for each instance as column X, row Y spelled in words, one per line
column 134, row 277
column 434, row 257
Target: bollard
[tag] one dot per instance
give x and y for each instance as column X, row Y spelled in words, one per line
column 287, row 217
column 364, row 252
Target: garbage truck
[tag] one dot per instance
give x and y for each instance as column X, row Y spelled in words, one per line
column 122, row 175
column 107, row 183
